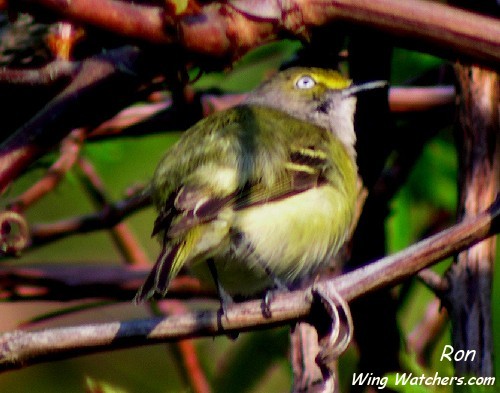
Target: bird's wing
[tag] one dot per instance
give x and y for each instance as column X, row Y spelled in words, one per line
column 279, row 165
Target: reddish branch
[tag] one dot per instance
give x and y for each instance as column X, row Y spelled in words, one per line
column 70, row 149
column 420, row 99
column 123, row 236
column 127, row 19
column 428, row 330
column 160, row 116
column 225, row 30
column 83, row 281
column 18, row 348
column 193, row 371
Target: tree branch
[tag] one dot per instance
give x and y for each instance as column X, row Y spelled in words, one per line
column 18, row 348
column 229, row 30
column 122, row 235
column 97, row 78
column 82, row 281
column 106, row 218
column 52, row 73
column 428, row 330
column 69, row 152
column 155, row 117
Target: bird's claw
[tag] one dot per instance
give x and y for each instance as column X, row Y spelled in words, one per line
column 337, row 337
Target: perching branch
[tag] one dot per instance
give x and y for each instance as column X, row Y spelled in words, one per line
column 18, row 349
column 228, row 30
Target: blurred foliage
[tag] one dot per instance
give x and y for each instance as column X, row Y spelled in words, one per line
column 255, row 362
column 94, row 386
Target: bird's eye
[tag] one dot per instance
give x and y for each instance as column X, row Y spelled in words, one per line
column 305, row 82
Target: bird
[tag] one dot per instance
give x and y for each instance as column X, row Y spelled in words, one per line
column 263, row 194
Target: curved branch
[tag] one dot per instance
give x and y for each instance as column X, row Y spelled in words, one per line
column 18, row 348
column 230, row 29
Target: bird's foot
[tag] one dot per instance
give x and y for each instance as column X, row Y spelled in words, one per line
column 279, row 286
column 335, row 337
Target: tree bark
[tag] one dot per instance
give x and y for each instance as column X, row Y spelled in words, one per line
column 469, row 297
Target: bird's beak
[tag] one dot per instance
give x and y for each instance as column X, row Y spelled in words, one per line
column 355, row 89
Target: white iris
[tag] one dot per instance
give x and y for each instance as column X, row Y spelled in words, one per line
column 305, row 82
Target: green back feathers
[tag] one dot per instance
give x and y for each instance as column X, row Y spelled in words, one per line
column 229, row 139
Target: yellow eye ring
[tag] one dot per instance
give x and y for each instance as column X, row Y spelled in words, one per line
column 305, row 82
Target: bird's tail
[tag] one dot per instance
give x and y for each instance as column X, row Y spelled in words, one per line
column 160, row 276
column 173, row 256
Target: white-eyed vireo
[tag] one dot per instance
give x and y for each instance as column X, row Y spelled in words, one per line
column 262, row 193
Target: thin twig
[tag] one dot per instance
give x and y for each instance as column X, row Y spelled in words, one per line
column 70, row 149
column 434, row 281
column 122, row 235
column 129, row 117
column 420, row 99
column 193, row 371
column 428, row 330
column 19, row 349
column 104, row 219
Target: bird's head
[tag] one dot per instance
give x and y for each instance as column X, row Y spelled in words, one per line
column 320, row 96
